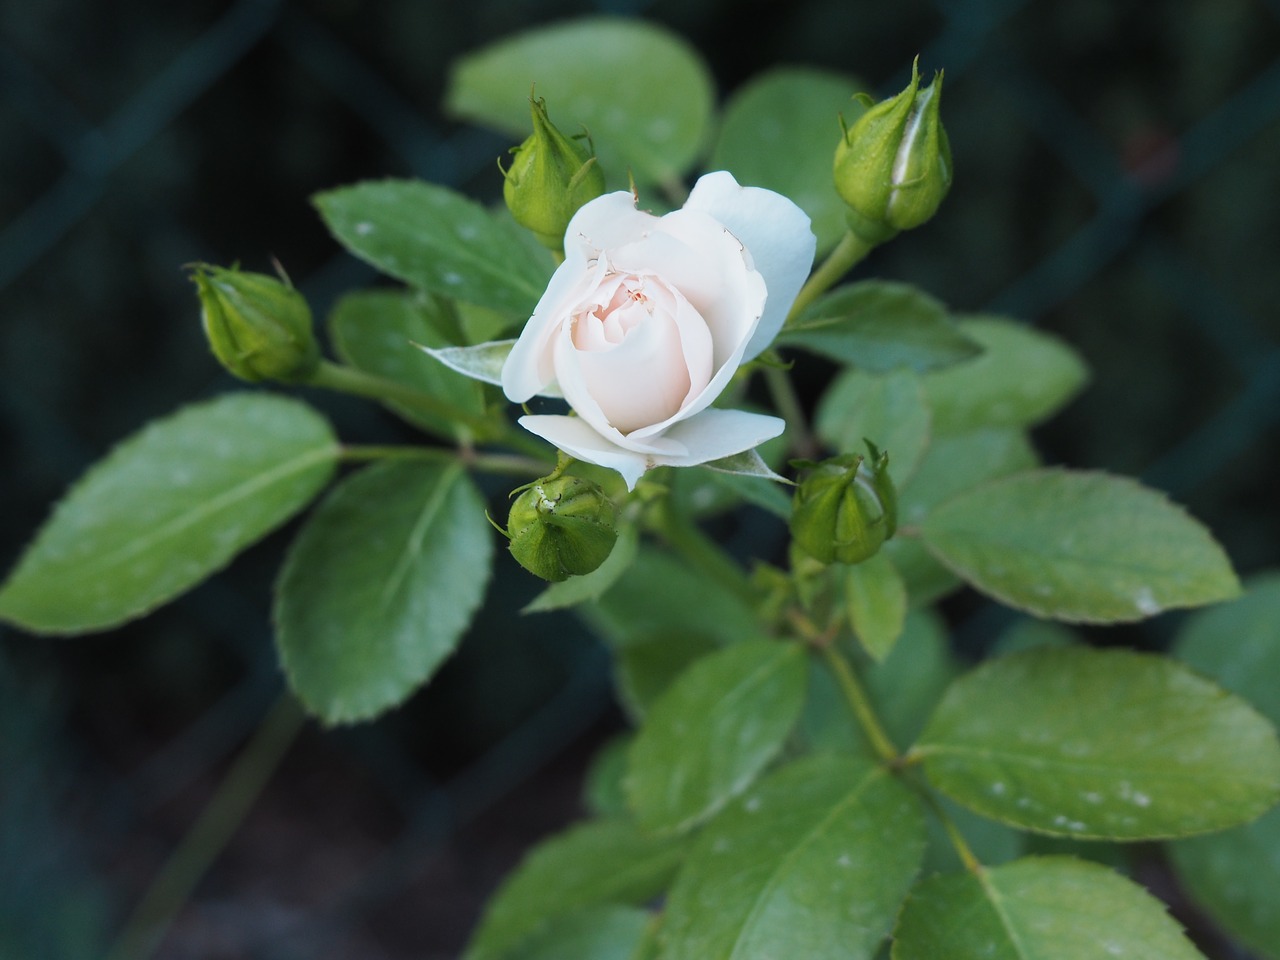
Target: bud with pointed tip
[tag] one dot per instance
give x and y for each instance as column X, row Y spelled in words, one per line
column 845, row 508
column 562, row 527
column 550, row 177
column 258, row 327
column 893, row 166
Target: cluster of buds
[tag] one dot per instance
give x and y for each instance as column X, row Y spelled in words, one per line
column 258, row 327
column 845, row 508
column 550, row 177
column 893, row 166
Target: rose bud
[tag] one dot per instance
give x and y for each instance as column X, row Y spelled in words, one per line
column 550, row 178
column 893, row 166
column 845, row 508
column 562, row 528
column 258, row 327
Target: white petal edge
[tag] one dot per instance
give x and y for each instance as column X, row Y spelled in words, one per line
column 712, row 435
column 776, row 233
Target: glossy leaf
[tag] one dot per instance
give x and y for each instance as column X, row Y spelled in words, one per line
column 713, row 731
column 812, row 862
column 438, row 240
column 377, row 330
column 1077, row 546
column 780, row 130
column 600, row 862
column 876, row 603
column 889, row 410
column 646, row 668
column 642, row 92
column 660, row 593
column 166, row 508
column 589, row 586
column 1021, row 377
column 1106, row 744
column 878, row 325
column 1038, row 908
column 951, row 464
column 379, row 587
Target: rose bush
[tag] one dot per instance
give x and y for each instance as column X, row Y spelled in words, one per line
column 647, row 319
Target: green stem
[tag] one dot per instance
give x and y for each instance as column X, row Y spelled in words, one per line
column 783, row 391
column 958, row 842
column 848, row 252
column 486, row 462
column 860, row 703
column 333, row 376
column 214, row 828
column 701, row 551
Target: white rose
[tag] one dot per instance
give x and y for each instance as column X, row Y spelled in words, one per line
column 648, row 318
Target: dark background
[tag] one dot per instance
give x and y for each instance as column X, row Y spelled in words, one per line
column 1117, row 173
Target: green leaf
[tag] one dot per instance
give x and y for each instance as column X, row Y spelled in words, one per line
column 483, row 361
column 1235, row 876
column 646, row 668
column 1105, row 744
column 589, row 586
column 951, row 465
column 379, row 587
column 599, row 932
column 643, row 93
column 166, row 508
column 889, row 410
column 600, row 862
column 878, row 326
column 780, row 131
column 1077, row 546
column 602, row 791
column 1037, row 908
column 660, row 593
column 713, row 731
column 376, row 331
column 438, row 240
column 1022, row 377
column 813, row 862
column 876, row 602
column 1238, row 644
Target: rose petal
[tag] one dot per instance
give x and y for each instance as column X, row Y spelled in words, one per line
column 776, row 233
column 579, row 440
column 607, row 223
column 717, row 433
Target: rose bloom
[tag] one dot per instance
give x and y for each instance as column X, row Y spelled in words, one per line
column 648, row 318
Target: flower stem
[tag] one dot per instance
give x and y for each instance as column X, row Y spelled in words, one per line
column 211, row 832
column 700, row 551
column 350, row 380
column 783, row 391
column 860, row 703
column 486, row 462
column 848, row 252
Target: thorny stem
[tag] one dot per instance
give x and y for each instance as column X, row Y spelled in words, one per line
column 208, row 837
column 848, row 252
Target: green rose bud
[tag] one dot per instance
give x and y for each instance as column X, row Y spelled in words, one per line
column 258, row 327
column 562, row 528
column 550, row 178
column 845, row 508
column 893, row 166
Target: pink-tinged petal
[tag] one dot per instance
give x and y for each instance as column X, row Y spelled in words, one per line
column 775, row 232
column 576, row 438
column 717, row 433
column 529, row 369
column 606, row 223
